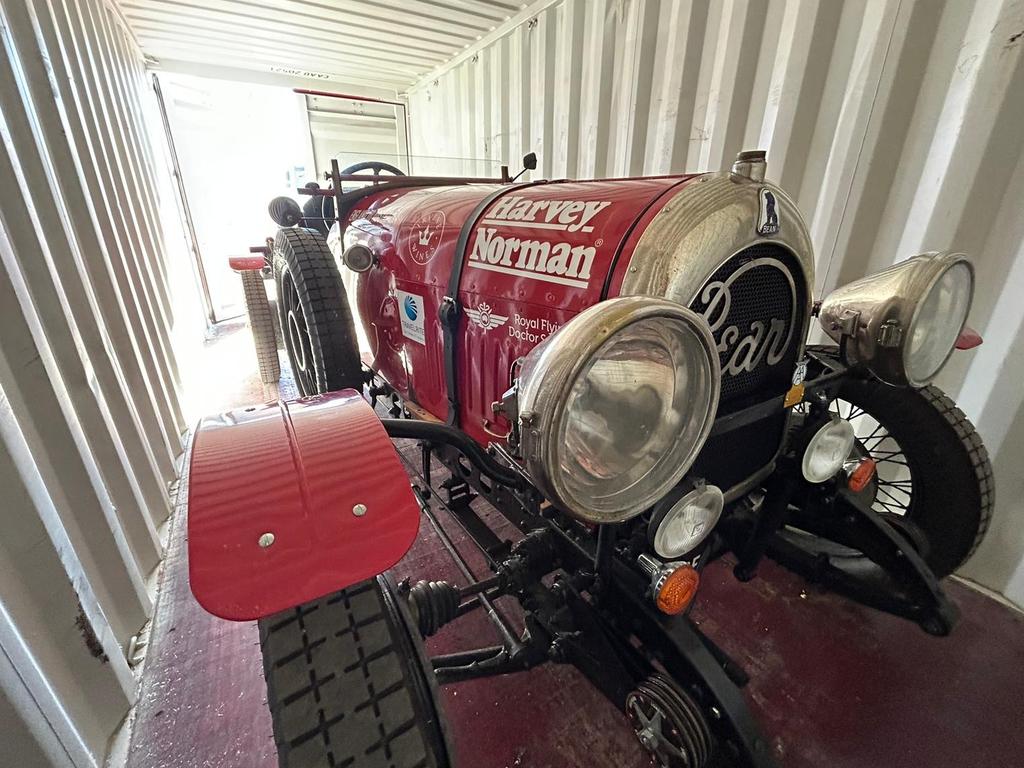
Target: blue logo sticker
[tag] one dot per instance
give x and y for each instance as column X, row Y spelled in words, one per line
column 411, row 310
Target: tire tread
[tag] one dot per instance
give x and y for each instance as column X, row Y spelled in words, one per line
column 338, row 685
column 261, row 323
column 976, row 451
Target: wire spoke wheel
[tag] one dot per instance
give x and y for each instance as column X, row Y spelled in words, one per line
column 891, row 489
column 933, row 480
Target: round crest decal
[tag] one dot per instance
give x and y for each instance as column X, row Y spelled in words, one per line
column 425, row 235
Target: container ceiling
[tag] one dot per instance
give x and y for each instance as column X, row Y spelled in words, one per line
column 385, row 43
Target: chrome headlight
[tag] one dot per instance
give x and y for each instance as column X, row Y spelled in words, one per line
column 903, row 322
column 683, row 519
column 827, row 450
column 615, row 406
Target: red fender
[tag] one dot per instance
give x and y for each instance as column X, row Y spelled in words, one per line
column 242, row 263
column 288, row 502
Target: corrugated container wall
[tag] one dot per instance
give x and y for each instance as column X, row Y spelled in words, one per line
column 898, row 126
column 89, row 416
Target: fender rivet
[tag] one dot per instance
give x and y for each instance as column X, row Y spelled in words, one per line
column 266, row 540
column 359, row 510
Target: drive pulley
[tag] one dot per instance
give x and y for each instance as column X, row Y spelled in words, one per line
column 669, row 724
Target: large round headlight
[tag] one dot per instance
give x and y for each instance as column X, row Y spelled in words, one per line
column 616, row 404
column 938, row 321
column 903, row 323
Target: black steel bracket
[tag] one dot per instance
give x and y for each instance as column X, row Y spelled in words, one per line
column 895, row 579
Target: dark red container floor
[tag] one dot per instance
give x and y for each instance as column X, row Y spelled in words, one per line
column 833, row 683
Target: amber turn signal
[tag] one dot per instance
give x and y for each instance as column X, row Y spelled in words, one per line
column 673, row 585
column 861, row 475
column 677, row 590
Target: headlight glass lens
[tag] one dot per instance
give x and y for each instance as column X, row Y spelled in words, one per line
column 615, row 405
column 938, row 323
column 634, row 414
column 827, row 451
column 688, row 522
column 902, row 323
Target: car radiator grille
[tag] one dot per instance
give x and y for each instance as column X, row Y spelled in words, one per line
column 756, row 304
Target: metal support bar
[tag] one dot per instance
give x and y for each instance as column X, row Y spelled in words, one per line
column 460, row 658
column 482, row 586
column 471, row 605
column 606, row 535
column 502, row 663
column 448, row 435
column 384, row 182
column 501, row 623
column 335, row 190
column 779, row 492
column 493, row 548
column 425, row 454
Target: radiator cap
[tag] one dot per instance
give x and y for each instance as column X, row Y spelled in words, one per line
column 750, row 164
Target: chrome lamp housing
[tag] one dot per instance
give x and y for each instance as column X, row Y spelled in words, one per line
column 615, row 406
column 903, row 322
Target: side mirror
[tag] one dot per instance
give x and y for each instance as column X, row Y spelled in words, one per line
column 530, row 161
column 284, row 211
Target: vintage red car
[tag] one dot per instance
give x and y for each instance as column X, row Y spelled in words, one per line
column 621, row 368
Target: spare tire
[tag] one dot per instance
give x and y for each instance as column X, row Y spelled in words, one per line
column 316, row 322
column 261, row 323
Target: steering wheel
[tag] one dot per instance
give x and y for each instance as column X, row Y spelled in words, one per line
column 373, row 165
column 376, row 166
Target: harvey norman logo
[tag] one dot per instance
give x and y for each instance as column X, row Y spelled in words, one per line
column 547, row 260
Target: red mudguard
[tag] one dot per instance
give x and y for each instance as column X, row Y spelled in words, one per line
column 288, row 502
column 242, row 263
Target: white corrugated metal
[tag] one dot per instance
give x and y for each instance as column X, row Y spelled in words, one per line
column 89, row 419
column 380, row 43
column 353, row 131
column 896, row 124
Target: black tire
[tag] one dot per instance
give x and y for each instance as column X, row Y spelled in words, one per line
column 318, row 214
column 346, row 684
column 945, row 487
column 262, row 324
column 314, row 314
